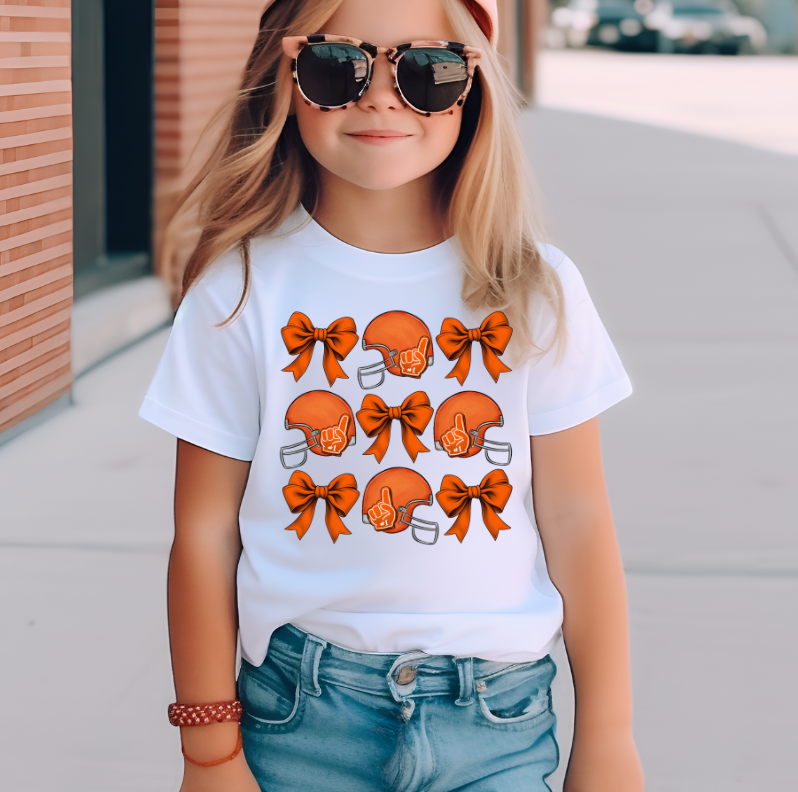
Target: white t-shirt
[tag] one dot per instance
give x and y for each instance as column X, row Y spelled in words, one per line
column 424, row 538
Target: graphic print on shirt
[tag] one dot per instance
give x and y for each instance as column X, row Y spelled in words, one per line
column 327, row 423
column 461, row 423
column 375, row 418
column 405, row 346
column 300, row 337
column 301, row 495
column 493, row 492
column 390, row 499
column 493, row 335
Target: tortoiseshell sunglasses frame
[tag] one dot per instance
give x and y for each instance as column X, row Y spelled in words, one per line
column 293, row 45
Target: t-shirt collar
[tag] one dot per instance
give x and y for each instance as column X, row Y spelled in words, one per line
column 343, row 257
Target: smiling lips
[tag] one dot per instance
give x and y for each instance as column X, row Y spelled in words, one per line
column 378, row 137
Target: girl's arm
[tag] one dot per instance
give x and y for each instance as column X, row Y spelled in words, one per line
column 203, row 619
column 582, row 556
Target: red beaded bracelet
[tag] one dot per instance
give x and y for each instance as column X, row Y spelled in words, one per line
column 204, row 714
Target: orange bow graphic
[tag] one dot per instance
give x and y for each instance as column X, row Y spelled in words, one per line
column 301, row 495
column 414, row 414
column 493, row 335
column 493, row 492
column 300, row 336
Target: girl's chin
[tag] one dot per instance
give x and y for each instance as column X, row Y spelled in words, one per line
column 378, row 185
column 380, row 178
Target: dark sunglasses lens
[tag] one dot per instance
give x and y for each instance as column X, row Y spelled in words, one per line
column 332, row 74
column 431, row 79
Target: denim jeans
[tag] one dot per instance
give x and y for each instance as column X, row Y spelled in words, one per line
column 319, row 718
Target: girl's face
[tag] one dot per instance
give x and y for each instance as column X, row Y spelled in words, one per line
column 378, row 143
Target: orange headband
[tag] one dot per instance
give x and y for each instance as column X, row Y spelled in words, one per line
column 485, row 12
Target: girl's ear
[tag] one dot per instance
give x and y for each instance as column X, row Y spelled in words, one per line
column 286, row 77
column 292, row 46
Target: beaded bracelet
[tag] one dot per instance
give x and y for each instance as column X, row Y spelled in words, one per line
column 239, row 745
column 204, row 714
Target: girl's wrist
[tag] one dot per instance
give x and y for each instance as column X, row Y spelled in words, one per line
column 211, row 742
column 604, row 762
column 602, row 727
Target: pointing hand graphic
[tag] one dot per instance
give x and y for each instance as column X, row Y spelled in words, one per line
column 413, row 362
column 334, row 439
column 456, row 441
column 382, row 514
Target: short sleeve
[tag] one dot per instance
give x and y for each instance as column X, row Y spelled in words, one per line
column 588, row 376
column 205, row 389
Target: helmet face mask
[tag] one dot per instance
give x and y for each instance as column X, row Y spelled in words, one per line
column 416, row 523
column 389, row 361
column 299, row 448
column 492, row 445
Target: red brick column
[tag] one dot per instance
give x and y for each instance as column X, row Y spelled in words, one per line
column 35, row 206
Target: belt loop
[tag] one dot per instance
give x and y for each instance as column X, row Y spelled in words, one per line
column 465, row 668
column 309, row 672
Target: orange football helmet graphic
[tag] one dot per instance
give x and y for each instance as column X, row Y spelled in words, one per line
column 327, row 422
column 460, row 426
column 404, row 342
column 390, row 498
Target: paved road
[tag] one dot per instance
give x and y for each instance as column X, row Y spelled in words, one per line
column 747, row 100
column 689, row 251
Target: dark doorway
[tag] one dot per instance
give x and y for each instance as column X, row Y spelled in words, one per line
column 113, row 140
column 128, row 125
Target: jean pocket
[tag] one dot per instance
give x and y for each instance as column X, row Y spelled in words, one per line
column 270, row 695
column 519, row 696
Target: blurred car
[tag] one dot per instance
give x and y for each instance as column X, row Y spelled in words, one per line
column 606, row 23
column 694, row 26
column 705, row 26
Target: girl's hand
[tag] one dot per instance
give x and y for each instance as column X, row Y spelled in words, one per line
column 605, row 761
column 234, row 776
column 209, row 743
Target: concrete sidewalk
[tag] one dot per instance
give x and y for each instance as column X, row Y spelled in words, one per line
column 748, row 100
column 689, row 248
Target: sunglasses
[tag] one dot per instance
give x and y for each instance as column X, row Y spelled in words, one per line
column 333, row 72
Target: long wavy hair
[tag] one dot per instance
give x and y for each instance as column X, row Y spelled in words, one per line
column 259, row 171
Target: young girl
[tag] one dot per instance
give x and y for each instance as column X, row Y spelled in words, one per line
column 369, row 334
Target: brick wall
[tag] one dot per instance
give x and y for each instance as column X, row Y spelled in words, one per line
column 201, row 47
column 35, row 206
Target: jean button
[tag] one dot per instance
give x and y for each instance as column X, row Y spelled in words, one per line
column 406, row 675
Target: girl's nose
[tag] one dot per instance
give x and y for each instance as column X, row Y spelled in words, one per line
column 381, row 94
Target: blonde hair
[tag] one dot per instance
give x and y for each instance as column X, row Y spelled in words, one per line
column 260, row 171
